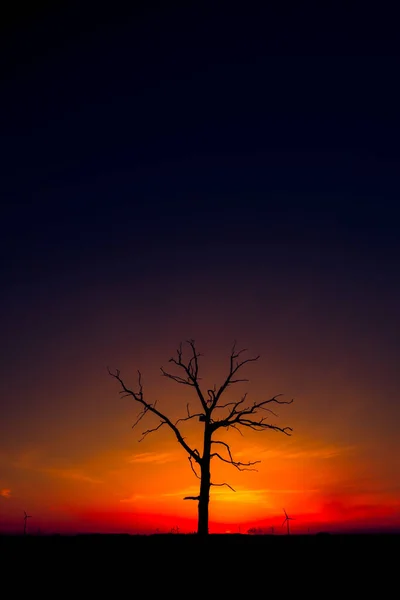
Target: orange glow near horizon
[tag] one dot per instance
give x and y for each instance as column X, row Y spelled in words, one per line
column 95, row 476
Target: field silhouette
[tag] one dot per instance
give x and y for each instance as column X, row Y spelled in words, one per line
column 314, row 546
column 322, row 565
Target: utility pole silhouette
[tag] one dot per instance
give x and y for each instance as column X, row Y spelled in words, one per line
column 26, row 517
column 287, row 519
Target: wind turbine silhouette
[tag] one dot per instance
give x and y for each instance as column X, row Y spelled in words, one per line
column 287, row 519
column 26, row 517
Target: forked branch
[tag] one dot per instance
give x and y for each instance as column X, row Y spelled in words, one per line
column 222, row 484
column 241, row 466
column 247, row 416
column 138, row 396
column 199, row 416
column 190, row 369
column 234, row 365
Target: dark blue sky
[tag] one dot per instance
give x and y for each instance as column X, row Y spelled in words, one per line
column 181, row 139
column 195, row 127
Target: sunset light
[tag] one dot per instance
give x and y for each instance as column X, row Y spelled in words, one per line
column 200, row 277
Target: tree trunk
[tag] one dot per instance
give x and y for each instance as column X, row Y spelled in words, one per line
column 205, row 483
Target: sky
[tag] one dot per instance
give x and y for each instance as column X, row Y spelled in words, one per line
column 174, row 173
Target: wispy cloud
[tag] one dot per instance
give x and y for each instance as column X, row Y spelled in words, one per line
column 134, row 498
column 192, row 491
column 34, row 460
column 316, row 452
column 67, row 473
column 253, row 496
column 5, row 493
column 152, row 457
column 324, row 452
column 240, row 494
column 27, row 459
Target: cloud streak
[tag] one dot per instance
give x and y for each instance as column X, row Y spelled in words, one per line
column 242, row 495
column 135, row 498
column 73, row 474
column 322, row 452
column 159, row 458
column 5, row 493
column 32, row 460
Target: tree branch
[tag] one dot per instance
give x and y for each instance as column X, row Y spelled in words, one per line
column 199, row 415
column 234, row 367
column 147, row 407
column 235, row 405
column 145, row 433
column 246, row 417
column 241, row 466
column 192, row 467
column 191, row 370
column 221, row 484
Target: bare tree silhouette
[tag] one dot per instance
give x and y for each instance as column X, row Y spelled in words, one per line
column 231, row 415
column 26, row 517
column 287, row 519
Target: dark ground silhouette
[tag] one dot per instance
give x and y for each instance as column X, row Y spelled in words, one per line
column 114, row 545
column 321, row 565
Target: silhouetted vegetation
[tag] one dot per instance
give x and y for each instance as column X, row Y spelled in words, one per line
column 213, row 414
